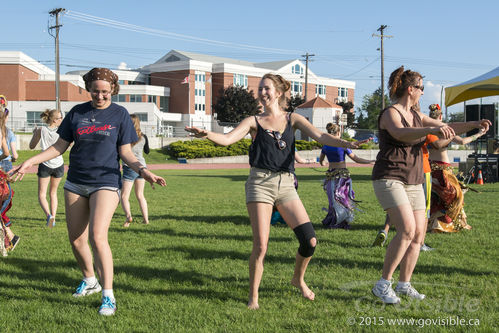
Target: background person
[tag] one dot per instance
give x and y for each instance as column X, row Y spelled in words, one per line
column 10, row 240
column 133, row 179
column 338, row 184
column 102, row 133
column 49, row 172
column 271, row 180
column 447, row 202
column 6, row 163
column 398, row 178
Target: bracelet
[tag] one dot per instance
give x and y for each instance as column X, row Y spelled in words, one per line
column 142, row 168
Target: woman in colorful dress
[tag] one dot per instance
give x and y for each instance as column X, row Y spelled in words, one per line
column 447, row 199
column 338, row 184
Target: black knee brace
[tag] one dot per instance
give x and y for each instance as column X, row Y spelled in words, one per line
column 305, row 233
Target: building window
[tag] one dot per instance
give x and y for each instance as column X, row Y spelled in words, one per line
column 241, row 80
column 343, row 92
column 118, row 98
column 151, row 99
column 142, row 116
column 320, row 90
column 296, row 88
column 297, row 69
column 135, row 98
column 163, row 103
column 33, row 118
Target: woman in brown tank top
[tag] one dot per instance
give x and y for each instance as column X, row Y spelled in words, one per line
column 398, row 178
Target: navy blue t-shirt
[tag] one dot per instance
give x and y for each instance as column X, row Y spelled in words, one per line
column 97, row 134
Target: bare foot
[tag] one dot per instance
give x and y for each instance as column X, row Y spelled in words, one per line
column 305, row 290
column 253, row 305
column 145, row 222
column 127, row 222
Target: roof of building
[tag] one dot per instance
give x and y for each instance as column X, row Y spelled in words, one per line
column 274, row 65
column 201, row 57
column 315, row 103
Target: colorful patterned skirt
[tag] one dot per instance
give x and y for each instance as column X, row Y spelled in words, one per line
column 338, row 187
column 447, row 200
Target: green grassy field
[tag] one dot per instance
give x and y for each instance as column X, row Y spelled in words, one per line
column 188, row 269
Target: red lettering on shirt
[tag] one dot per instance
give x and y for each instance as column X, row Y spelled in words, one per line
column 92, row 129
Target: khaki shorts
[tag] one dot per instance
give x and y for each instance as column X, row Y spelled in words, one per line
column 393, row 193
column 270, row 187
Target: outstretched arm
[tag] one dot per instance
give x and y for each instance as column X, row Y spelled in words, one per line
column 458, row 127
column 466, row 140
column 129, row 158
column 310, row 130
column 392, row 122
column 55, row 150
column 360, row 159
column 233, row 136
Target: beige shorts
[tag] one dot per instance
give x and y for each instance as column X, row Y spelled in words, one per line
column 393, row 193
column 270, row 187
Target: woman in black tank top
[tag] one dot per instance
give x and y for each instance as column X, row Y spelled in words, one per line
column 271, row 182
column 398, row 175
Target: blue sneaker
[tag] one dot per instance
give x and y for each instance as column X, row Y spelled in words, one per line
column 50, row 221
column 84, row 289
column 108, row 307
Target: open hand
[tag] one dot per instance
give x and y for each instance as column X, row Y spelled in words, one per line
column 196, row 132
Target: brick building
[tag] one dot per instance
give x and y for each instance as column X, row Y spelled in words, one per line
column 177, row 90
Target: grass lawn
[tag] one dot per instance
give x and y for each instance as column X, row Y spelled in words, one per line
column 188, row 269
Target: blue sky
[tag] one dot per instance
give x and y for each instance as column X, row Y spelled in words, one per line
column 449, row 42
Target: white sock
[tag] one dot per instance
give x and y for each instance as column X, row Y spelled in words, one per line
column 403, row 285
column 108, row 293
column 90, row 280
column 383, row 281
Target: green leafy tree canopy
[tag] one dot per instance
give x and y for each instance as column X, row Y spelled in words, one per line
column 294, row 102
column 235, row 104
column 370, row 109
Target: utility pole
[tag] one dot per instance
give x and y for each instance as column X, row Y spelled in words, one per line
column 380, row 29
column 56, row 12
column 307, row 56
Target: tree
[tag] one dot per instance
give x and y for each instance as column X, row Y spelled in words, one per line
column 235, row 104
column 456, row 117
column 294, row 102
column 371, row 106
column 347, row 106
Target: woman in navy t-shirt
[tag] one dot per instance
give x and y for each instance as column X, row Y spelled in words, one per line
column 338, row 184
column 102, row 133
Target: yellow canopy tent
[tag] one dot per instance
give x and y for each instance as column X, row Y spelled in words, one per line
column 481, row 86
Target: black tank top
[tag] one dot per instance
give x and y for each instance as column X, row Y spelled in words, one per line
column 264, row 152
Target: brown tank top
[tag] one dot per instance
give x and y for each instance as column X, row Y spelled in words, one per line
column 400, row 160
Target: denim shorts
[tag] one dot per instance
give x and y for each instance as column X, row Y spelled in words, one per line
column 270, row 187
column 87, row 190
column 393, row 193
column 129, row 174
column 6, row 165
column 44, row 171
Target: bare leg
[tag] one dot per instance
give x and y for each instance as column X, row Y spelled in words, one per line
column 259, row 214
column 42, row 194
column 404, row 220
column 139, row 193
column 386, row 228
column 294, row 213
column 125, row 201
column 54, row 202
column 411, row 256
column 102, row 204
column 77, row 214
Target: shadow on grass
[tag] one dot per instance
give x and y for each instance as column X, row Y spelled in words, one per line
column 234, row 219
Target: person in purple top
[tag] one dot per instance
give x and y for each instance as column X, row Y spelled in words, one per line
column 102, row 133
column 338, row 184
